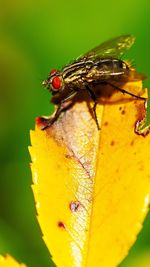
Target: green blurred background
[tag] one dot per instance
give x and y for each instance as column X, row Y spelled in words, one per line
column 35, row 38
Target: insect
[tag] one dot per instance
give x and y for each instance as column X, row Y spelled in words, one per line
column 100, row 66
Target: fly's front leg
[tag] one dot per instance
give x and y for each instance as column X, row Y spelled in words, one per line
column 64, row 104
column 94, row 98
column 48, row 122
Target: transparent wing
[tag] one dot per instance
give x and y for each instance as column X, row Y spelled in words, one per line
column 113, row 48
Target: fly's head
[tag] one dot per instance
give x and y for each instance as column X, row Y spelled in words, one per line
column 54, row 82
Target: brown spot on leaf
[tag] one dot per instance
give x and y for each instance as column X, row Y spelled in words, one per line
column 132, row 143
column 141, row 111
column 105, row 123
column 67, row 156
column 112, row 143
column 123, row 112
column 61, row 225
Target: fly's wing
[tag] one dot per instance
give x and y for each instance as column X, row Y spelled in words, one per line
column 114, row 48
column 132, row 76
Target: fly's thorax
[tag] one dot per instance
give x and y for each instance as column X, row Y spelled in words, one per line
column 74, row 72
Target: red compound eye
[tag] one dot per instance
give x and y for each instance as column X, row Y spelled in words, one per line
column 56, row 82
column 53, row 71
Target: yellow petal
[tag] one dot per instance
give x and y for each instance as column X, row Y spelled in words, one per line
column 92, row 187
column 8, row 261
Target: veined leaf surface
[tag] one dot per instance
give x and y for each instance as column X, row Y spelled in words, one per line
column 92, row 187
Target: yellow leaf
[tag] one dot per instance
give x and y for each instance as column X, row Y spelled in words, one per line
column 8, row 261
column 92, row 187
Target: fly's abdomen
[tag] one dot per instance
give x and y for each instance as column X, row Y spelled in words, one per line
column 105, row 69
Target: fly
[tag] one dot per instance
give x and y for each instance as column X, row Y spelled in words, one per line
column 100, row 66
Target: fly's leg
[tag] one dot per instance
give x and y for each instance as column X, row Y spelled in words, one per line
column 124, row 91
column 94, row 98
column 49, row 122
column 61, row 107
